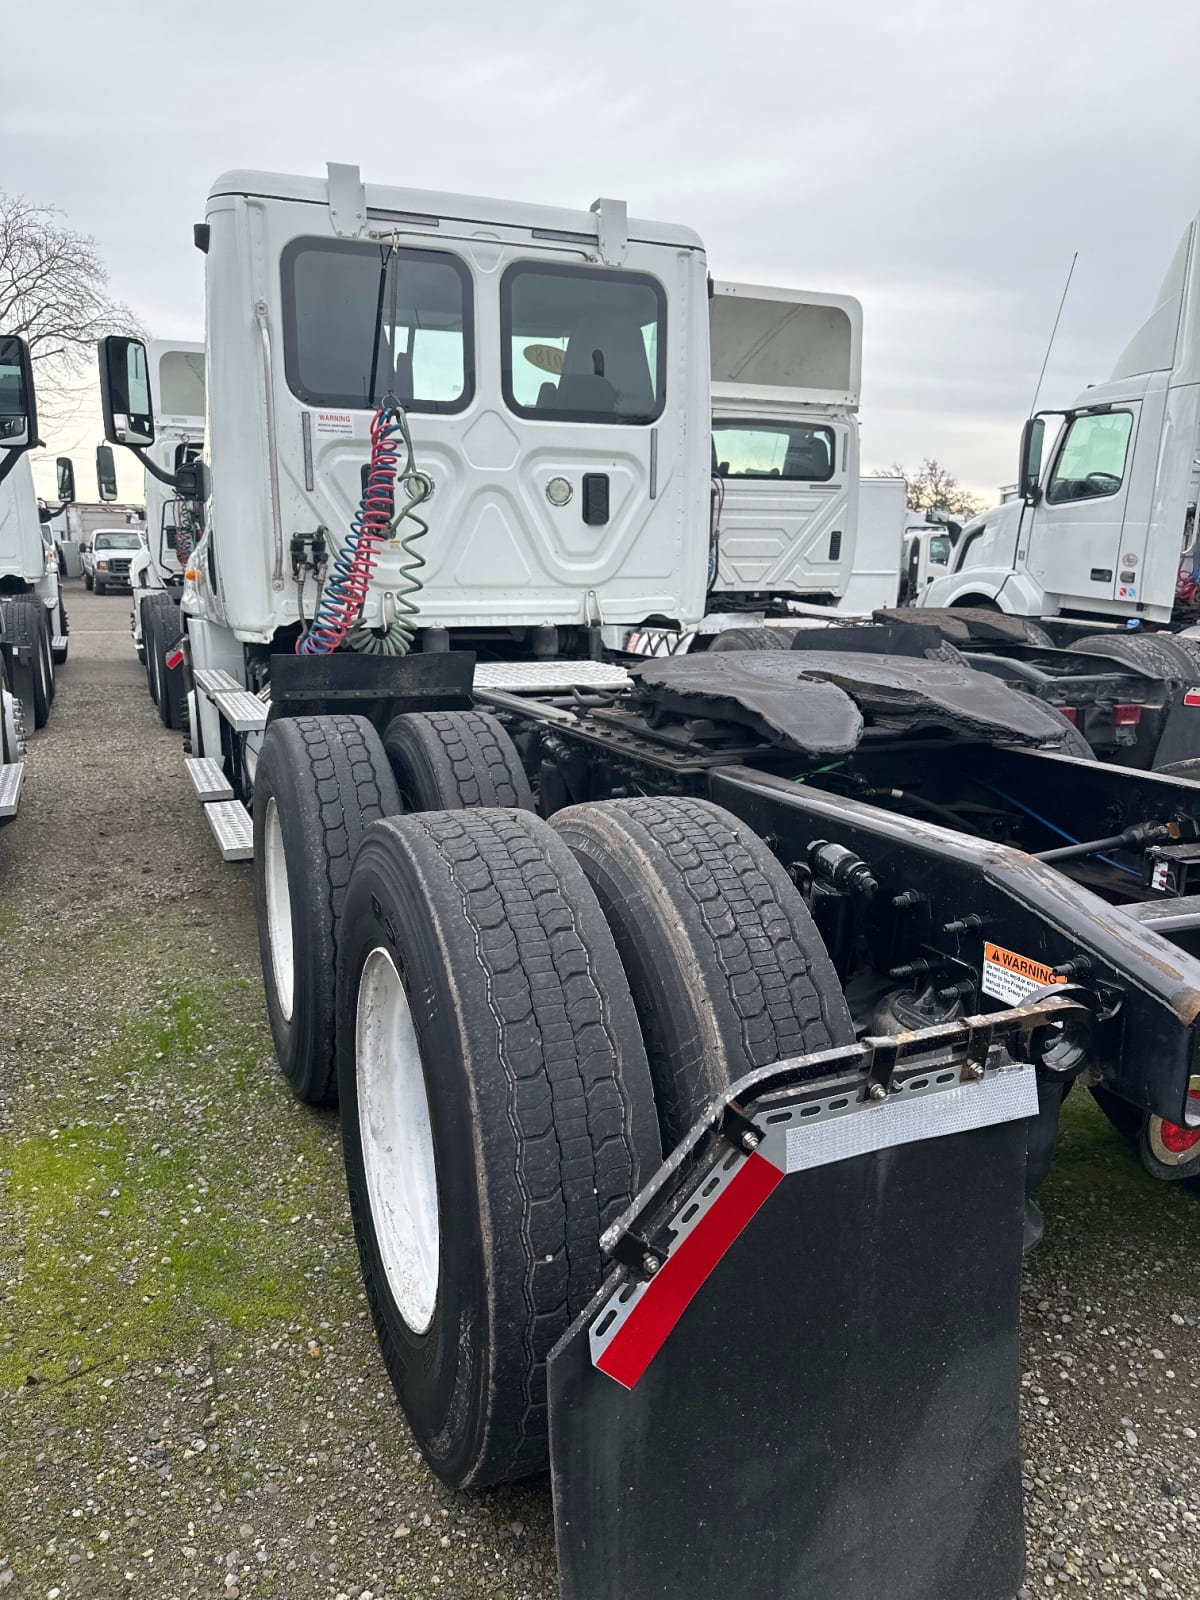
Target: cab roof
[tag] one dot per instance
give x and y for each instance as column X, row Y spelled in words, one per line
column 177, row 381
column 433, row 206
column 786, row 348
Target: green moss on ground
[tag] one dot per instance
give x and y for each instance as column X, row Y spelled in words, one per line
column 131, row 1239
column 1098, row 1176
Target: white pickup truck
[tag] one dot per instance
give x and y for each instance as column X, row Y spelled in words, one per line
column 108, row 557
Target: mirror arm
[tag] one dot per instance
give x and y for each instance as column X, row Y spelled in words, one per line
column 12, row 452
column 154, row 470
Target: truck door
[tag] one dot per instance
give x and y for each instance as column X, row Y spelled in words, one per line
column 1074, row 535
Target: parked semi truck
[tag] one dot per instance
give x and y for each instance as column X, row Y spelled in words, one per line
column 1103, row 525
column 156, row 574
column 35, row 617
column 672, row 1005
column 1095, row 551
column 786, row 383
column 795, row 529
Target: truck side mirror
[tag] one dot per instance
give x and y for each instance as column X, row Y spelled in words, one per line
column 1029, row 476
column 106, row 472
column 65, row 469
column 125, row 392
column 18, row 407
column 192, row 481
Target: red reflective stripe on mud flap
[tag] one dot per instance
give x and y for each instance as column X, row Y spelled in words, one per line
column 671, row 1290
column 1191, row 697
column 175, row 659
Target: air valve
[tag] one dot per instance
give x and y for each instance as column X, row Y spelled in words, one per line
column 839, row 867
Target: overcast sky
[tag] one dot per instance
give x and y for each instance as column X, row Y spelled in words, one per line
column 942, row 161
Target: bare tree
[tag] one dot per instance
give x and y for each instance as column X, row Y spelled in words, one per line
column 54, row 288
column 934, row 488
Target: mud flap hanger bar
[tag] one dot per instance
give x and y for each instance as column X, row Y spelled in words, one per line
column 873, row 1070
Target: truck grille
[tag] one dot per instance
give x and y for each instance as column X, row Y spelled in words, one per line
column 119, row 569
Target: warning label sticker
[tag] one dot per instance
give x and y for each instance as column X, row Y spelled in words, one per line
column 337, row 423
column 1013, row 978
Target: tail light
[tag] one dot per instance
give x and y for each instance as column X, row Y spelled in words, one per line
column 1070, row 712
column 1127, row 716
column 1180, row 1141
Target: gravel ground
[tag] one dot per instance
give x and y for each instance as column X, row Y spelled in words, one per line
column 191, row 1400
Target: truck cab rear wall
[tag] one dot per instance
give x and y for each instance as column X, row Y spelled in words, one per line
column 499, row 552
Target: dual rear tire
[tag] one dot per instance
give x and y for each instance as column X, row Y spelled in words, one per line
column 528, row 1016
column 160, row 631
column 319, row 783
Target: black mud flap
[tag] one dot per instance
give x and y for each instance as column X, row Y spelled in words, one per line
column 378, row 687
column 814, row 1392
column 1180, row 737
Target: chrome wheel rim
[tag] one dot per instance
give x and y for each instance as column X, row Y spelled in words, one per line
column 397, row 1141
column 279, row 911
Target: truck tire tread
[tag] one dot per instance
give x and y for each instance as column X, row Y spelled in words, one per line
column 335, row 781
column 519, row 998
column 727, row 968
column 450, row 760
column 754, row 639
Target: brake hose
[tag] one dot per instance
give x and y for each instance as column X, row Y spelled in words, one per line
column 396, row 638
column 338, row 618
column 1054, row 828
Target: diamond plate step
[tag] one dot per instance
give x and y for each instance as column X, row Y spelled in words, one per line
column 209, row 782
column 12, row 775
column 243, row 711
column 213, row 681
column 59, row 642
column 546, row 676
column 232, row 828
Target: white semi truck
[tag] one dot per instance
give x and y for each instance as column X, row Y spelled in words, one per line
column 156, row 574
column 795, row 528
column 786, row 382
column 1103, row 526
column 537, row 921
column 1093, row 560
column 27, row 643
column 35, row 618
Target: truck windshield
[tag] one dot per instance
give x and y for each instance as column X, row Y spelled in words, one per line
column 336, row 292
column 794, row 451
column 116, row 541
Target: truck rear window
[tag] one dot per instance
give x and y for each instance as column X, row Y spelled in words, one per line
column 789, row 451
column 582, row 344
column 362, row 320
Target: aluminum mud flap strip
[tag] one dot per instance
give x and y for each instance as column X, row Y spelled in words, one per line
column 815, row 1393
